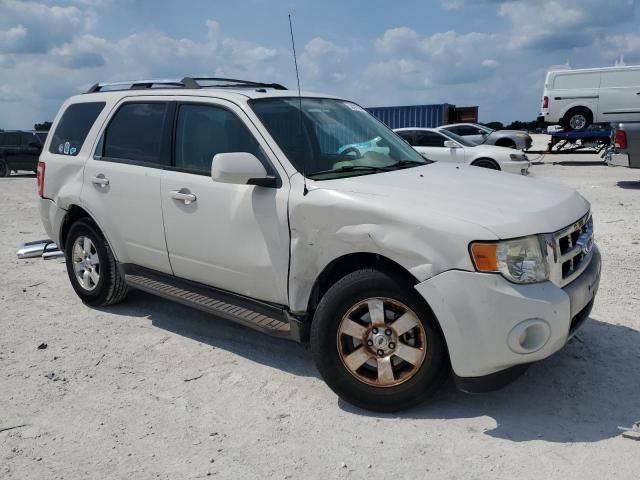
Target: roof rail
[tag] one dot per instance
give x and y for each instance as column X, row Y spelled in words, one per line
column 194, row 82
column 134, row 84
column 186, row 82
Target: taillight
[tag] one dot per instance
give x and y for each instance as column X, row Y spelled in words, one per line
column 545, row 102
column 40, row 178
column 620, row 139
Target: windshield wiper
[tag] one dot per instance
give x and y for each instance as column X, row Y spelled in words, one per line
column 351, row 168
column 406, row 163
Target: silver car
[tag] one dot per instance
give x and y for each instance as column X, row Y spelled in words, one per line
column 479, row 134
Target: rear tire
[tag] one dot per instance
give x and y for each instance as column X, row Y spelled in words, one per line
column 414, row 361
column 578, row 118
column 486, row 163
column 91, row 266
column 4, row 168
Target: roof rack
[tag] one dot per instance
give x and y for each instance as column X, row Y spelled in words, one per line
column 186, row 82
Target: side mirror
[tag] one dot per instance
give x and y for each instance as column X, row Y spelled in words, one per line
column 450, row 144
column 241, row 168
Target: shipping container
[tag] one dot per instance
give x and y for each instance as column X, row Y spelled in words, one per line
column 423, row 116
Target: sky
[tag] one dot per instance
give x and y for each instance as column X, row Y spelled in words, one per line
column 491, row 53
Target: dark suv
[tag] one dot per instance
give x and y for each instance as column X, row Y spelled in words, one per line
column 19, row 150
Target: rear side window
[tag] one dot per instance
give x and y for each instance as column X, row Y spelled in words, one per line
column 203, row 131
column 135, row 133
column 73, row 127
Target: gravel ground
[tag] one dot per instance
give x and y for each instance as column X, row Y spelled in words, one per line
column 151, row 389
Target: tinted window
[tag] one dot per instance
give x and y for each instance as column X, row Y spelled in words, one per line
column 204, row 131
column 429, row 139
column 28, row 138
column 73, row 127
column 407, row 135
column 11, row 139
column 135, row 133
column 464, row 130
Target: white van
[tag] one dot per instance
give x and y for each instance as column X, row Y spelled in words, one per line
column 578, row 98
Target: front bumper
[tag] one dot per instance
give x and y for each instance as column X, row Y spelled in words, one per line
column 518, row 167
column 483, row 317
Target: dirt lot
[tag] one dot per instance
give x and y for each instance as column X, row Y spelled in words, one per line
column 151, row 389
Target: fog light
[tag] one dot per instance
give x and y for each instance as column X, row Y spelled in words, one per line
column 529, row 336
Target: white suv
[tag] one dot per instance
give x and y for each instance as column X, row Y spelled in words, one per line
column 240, row 199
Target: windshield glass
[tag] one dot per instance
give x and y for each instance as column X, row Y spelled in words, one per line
column 332, row 138
column 461, row 140
column 484, row 127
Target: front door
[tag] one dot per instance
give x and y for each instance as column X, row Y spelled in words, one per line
column 232, row 237
column 122, row 182
column 431, row 145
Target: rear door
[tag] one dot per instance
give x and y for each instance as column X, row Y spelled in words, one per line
column 232, row 237
column 122, row 181
column 620, row 96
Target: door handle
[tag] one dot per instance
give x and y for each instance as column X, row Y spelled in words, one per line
column 183, row 196
column 100, row 180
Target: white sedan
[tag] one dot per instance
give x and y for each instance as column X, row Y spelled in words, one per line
column 443, row 146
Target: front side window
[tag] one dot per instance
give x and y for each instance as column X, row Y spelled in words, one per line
column 203, row 131
column 11, row 139
column 74, row 126
column 135, row 133
column 429, row 139
column 28, row 139
column 329, row 138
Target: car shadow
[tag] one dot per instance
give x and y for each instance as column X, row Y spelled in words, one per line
column 218, row 332
column 580, row 394
column 629, row 185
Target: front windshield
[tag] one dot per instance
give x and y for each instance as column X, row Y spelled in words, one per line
column 484, row 127
column 461, row 140
column 330, row 138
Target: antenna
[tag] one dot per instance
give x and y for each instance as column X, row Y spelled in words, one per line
column 295, row 61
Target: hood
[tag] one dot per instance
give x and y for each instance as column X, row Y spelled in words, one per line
column 508, row 205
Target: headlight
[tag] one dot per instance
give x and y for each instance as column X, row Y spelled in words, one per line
column 522, row 260
column 518, row 157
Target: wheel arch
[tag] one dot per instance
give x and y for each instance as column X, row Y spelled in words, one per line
column 506, row 142
column 349, row 263
column 487, row 159
column 578, row 106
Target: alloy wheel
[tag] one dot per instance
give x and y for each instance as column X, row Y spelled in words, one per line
column 381, row 342
column 86, row 263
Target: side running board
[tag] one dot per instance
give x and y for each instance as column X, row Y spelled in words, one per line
column 266, row 317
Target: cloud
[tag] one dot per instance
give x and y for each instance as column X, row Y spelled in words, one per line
column 441, row 58
column 550, row 25
column 30, row 27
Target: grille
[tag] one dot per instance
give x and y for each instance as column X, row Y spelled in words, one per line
column 571, row 250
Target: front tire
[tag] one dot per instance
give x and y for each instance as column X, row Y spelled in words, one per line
column 91, row 266
column 377, row 344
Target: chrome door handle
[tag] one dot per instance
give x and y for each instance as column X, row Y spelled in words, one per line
column 100, row 180
column 183, row 196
